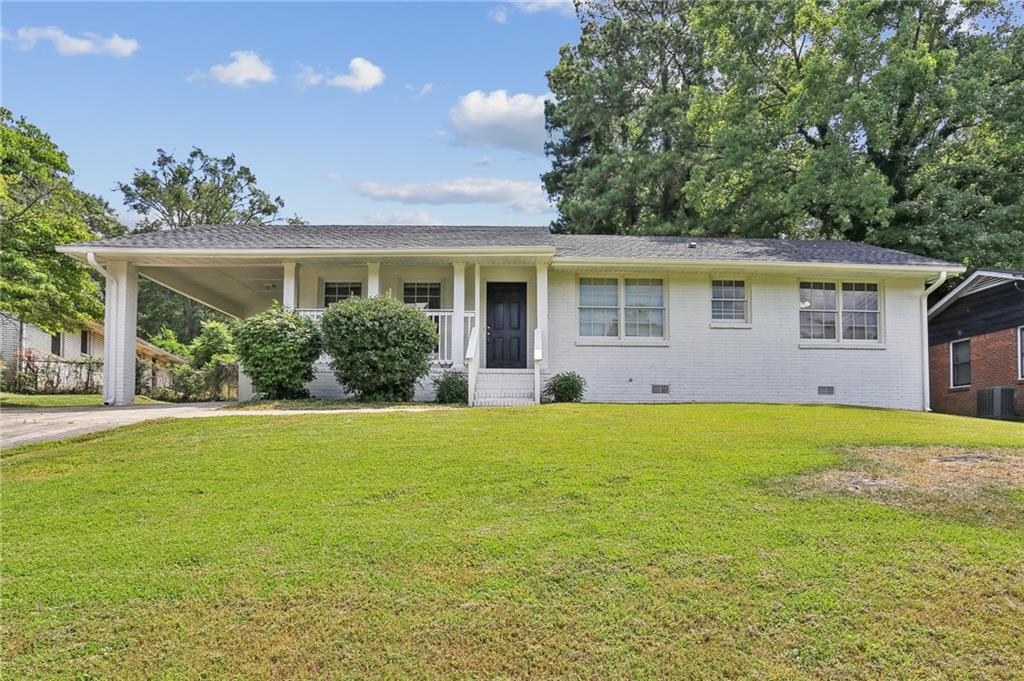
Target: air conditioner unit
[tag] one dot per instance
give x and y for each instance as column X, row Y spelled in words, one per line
column 997, row 403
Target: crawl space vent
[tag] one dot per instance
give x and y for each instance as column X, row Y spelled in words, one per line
column 826, row 390
column 659, row 389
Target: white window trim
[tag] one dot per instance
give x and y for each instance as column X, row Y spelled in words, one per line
column 445, row 303
column 325, row 282
column 748, row 322
column 623, row 339
column 839, row 342
column 60, row 345
column 1020, row 353
column 951, row 344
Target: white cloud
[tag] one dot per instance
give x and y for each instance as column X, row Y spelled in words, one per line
column 362, row 75
column 420, row 90
column 499, row 14
column 563, row 7
column 403, row 217
column 73, row 46
column 306, row 77
column 519, row 196
column 335, row 177
column 244, row 68
column 482, row 119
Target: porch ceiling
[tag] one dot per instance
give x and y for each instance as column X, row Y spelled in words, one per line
column 236, row 290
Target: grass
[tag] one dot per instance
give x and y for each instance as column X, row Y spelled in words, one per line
column 321, row 404
column 17, row 400
column 560, row 541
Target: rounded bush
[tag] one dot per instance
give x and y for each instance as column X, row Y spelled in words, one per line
column 379, row 347
column 276, row 349
column 452, row 388
column 567, row 386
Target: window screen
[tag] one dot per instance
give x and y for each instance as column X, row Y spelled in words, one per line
column 599, row 307
column 422, row 294
column 728, row 301
column 960, row 363
column 337, row 291
column 818, row 310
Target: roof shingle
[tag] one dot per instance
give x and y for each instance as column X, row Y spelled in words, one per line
column 383, row 237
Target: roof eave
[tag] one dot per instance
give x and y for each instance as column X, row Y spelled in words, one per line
column 80, row 251
column 930, row 268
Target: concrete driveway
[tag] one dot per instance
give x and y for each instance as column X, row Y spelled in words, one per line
column 22, row 426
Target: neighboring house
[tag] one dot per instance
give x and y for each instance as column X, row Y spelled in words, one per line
column 976, row 334
column 643, row 319
column 62, row 350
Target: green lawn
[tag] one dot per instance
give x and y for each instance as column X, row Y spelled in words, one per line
column 560, row 541
column 322, row 404
column 38, row 401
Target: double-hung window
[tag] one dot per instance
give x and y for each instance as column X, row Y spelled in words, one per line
column 55, row 344
column 622, row 307
column 847, row 311
column 960, row 363
column 83, row 343
column 337, row 291
column 729, row 302
column 422, row 294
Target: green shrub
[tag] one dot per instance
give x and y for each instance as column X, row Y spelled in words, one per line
column 189, row 384
column 214, row 340
column 168, row 341
column 277, row 349
column 379, row 347
column 567, row 386
column 452, row 388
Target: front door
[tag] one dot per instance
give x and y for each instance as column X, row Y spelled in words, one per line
column 506, row 325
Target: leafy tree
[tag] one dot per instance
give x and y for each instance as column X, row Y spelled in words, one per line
column 214, row 341
column 166, row 339
column 379, row 347
column 899, row 124
column 277, row 348
column 197, row 190
column 40, row 209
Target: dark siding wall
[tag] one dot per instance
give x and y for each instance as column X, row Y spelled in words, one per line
column 999, row 307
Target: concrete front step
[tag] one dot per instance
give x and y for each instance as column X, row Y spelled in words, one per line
column 503, row 402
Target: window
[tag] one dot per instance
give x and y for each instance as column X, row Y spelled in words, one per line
column 337, row 291
column 599, row 307
column 821, row 311
column 817, row 310
column 617, row 307
column 83, row 343
column 55, row 344
column 728, row 300
column 960, row 363
column 422, row 294
column 1020, row 352
column 645, row 308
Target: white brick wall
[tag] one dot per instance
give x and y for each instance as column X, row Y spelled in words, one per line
column 763, row 363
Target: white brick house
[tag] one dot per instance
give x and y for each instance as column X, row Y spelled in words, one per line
column 643, row 319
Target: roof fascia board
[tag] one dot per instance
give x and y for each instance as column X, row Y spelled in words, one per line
column 308, row 252
column 959, row 291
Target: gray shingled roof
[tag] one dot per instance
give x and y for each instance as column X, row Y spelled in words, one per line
column 380, row 237
column 333, row 236
column 758, row 250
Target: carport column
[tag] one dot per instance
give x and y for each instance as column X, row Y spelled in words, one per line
column 290, row 292
column 119, row 333
column 542, row 308
column 372, row 279
column 459, row 314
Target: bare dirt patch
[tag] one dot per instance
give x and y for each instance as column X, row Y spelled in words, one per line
column 983, row 486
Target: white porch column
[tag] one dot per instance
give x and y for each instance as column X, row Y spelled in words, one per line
column 459, row 314
column 122, row 300
column 290, row 290
column 372, row 279
column 478, row 314
column 542, row 307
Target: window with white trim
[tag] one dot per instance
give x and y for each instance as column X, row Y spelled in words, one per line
column 56, row 346
column 729, row 300
column 842, row 311
column 83, row 343
column 1020, row 352
column 960, row 363
column 422, row 294
column 622, row 307
column 337, row 291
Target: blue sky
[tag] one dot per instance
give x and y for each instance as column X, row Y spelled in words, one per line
column 352, row 112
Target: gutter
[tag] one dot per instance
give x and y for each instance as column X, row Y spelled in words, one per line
column 926, row 397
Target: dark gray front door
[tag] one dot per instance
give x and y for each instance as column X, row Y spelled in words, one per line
column 506, row 325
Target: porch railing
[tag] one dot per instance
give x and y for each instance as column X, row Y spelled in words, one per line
column 443, row 319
